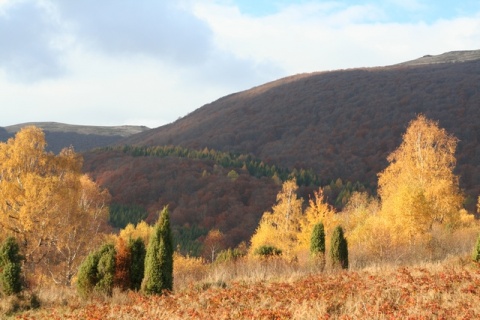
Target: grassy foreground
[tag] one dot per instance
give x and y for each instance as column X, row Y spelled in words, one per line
column 449, row 289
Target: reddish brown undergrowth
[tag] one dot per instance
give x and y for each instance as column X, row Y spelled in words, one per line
column 447, row 290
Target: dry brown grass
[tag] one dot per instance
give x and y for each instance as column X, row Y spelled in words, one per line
column 436, row 282
column 275, row 289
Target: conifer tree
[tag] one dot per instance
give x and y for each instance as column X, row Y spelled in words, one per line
column 10, row 267
column 97, row 272
column 339, row 249
column 137, row 266
column 317, row 242
column 158, row 275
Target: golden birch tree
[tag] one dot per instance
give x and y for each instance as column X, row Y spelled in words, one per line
column 419, row 188
column 317, row 211
column 280, row 227
column 53, row 210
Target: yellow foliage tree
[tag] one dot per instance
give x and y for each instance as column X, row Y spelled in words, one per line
column 418, row 188
column 280, row 227
column 317, row 211
column 46, row 202
column 140, row 230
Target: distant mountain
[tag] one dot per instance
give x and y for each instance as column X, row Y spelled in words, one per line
column 82, row 138
column 342, row 124
column 449, row 57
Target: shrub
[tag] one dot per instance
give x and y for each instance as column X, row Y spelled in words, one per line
column 106, row 270
column 267, row 251
column 10, row 267
column 339, row 249
column 158, row 275
column 97, row 271
column 229, row 255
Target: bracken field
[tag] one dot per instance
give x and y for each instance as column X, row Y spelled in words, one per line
column 278, row 290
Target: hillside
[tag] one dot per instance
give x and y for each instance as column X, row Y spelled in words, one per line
column 342, row 124
column 82, row 138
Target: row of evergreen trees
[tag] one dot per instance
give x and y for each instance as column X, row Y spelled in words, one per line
column 255, row 167
column 131, row 266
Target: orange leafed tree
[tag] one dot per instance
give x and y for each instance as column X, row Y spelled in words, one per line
column 54, row 211
column 213, row 243
column 419, row 188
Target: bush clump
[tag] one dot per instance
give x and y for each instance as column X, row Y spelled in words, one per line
column 268, row 251
column 97, row 272
column 10, row 267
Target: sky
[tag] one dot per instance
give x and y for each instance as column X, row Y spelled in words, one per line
column 150, row 62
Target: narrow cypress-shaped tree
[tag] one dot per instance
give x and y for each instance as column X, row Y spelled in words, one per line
column 10, row 267
column 158, row 275
column 476, row 251
column 317, row 244
column 339, row 249
column 137, row 266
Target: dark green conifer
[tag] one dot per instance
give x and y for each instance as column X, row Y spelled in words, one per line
column 10, row 267
column 317, row 245
column 317, row 241
column 137, row 267
column 97, row 271
column 268, row 251
column 339, row 249
column 158, row 275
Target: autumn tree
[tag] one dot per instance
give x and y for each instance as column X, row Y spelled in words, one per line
column 123, row 261
column 280, row 227
column 54, row 211
column 318, row 210
column 214, row 242
column 141, row 230
column 159, row 258
column 419, row 188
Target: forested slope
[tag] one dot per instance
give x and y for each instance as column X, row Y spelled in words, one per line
column 341, row 123
column 331, row 129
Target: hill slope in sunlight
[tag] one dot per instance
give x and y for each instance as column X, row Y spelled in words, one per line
column 341, row 123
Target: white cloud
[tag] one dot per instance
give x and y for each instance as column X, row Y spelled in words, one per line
column 115, row 62
column 314, row 37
